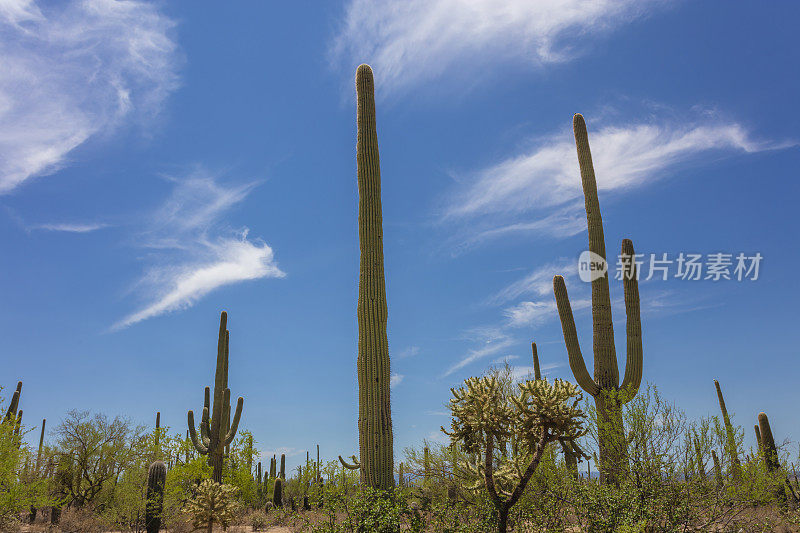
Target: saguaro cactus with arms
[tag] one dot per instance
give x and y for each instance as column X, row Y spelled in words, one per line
column 215, row 434
column 609, row 395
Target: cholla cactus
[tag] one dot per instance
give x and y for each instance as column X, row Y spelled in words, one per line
column 213, row 503
column 484, row 418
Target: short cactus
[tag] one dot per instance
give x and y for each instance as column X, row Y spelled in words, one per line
column 156, row 479
column 277, row 493
column 608, row 394
column 214, row 437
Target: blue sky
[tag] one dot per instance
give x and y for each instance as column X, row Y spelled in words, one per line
column 162, row 162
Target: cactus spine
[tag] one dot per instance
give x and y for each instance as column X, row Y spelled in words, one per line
column 608, row 394
column 375, row 437
column 213, row 435
column 730, row 446
column 156, row 478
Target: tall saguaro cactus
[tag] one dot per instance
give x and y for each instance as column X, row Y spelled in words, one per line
column 375, row 437
column 608, row 394
column 215, row 434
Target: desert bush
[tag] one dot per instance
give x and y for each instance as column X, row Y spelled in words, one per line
column 84, row 520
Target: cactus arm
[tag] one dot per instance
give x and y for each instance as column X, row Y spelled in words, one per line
column 202, row 449
column 205, row 427
column 537, row 373
column 355, row 466
column 606, row 372
column 633, row 364
column 576, row 362
column 235, row 423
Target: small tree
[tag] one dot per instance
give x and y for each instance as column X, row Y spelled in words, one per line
column 214, row 502
column 538, row 414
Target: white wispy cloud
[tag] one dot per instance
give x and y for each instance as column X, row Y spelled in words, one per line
column 529, row 313
column 546, row 178
column 523, row 372
column 395, row 380
column 411, row 351
column 74, row 70
column 283, row 450
column 195, row 256
column 623, row 157
column 409, row 42
column 539, row 282
column 71, row 227
column 491, row 341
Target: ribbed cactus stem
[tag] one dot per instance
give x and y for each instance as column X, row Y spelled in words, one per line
column 272, row 468
column 11, row 412
column 768, row 442
column 216, row 430
column 772, row 461
column 283, row 466
column 156, row 479
column 605, row 387
column 277, row 493
column 375, row 436
column 701, row 471
column 730, row 448
column 18, row 427
column 426, row 462
column 758, row 441
column 537, row 373
column 41, row 444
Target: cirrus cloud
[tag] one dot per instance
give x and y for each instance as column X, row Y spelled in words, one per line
column 74, row 70
column 409, row 42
